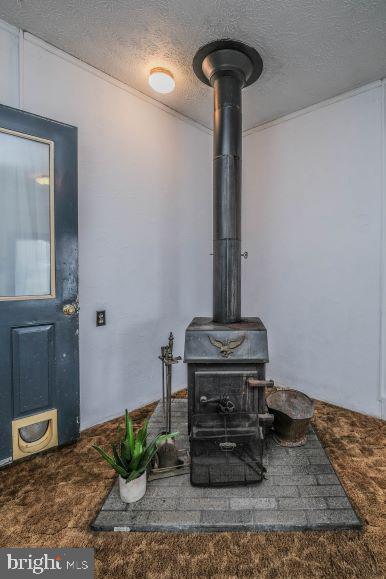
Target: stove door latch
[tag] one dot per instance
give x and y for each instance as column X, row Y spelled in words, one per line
column 224, row 404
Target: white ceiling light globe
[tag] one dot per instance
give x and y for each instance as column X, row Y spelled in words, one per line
column 161, row 80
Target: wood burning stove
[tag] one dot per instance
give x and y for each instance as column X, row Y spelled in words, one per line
column 226, row 354
column 226, row 381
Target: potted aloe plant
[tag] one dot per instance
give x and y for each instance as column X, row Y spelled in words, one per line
column 131, row 458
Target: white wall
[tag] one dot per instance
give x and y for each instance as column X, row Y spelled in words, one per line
column 144, row 225
column 312, row 225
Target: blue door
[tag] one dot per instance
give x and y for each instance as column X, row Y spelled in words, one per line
column 39, row 362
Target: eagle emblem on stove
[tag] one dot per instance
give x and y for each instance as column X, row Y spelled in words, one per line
column 228, row 346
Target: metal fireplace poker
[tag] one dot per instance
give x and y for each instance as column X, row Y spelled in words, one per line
column 226, row 354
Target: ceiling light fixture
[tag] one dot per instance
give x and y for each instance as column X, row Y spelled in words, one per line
column 161, row 80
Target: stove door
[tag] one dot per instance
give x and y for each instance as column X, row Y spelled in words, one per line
column 217, row 389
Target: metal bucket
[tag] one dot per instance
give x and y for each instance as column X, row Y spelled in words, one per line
column 292, row 412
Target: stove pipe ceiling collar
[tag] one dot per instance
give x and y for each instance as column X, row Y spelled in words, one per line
column 228, row 66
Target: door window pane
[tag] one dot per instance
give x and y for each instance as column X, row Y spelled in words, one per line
column 25, row 224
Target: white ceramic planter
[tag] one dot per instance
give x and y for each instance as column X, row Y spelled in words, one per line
column 134, row 490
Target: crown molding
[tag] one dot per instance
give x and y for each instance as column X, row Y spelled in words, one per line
column 315, row 107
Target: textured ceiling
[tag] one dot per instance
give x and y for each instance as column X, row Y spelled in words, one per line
column 312, row 49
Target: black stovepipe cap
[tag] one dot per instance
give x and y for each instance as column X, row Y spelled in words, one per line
column 252, row 54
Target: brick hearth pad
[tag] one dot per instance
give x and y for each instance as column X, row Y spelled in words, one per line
column 301, row 492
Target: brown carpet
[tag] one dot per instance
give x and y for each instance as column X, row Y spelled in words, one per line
column 51, row 500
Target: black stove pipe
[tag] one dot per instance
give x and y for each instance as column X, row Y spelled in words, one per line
column 227, row 66
column 227, row 199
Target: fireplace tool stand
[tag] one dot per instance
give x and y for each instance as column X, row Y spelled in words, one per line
column 168, row 360
column 170, row 461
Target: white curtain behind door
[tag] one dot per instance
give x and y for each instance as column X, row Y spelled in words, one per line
column 24, row 217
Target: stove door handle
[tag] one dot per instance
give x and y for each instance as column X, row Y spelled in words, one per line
column 255, row 383
column 204, row 400
column 224, row 404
